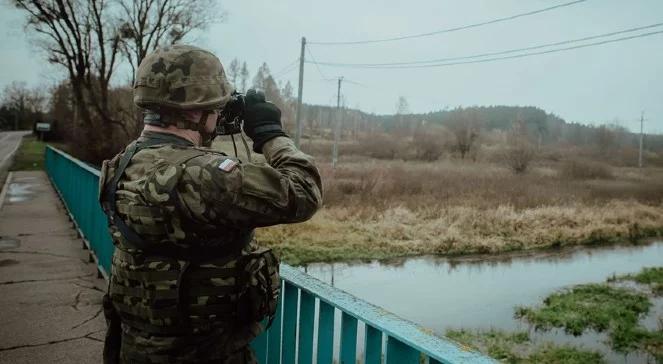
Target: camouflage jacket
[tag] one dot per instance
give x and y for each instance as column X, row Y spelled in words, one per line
column 196, row 200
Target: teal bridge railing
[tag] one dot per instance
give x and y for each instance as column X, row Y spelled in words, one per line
column 306, row 328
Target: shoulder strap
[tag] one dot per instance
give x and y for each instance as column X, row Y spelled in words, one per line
column 111, row 194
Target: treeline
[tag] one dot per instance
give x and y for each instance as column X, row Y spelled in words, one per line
column 461, row 130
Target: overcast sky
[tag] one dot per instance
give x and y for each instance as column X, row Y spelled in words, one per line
column 592, row 85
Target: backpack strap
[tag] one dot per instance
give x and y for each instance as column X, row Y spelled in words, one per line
column 132, row 238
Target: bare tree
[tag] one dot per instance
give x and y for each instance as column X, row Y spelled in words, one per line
column 605, row 140
column 402, row 108
column 520, row 151
column 79, row 36
column 464, row 124
column 24, row 103
column 244, row 76
column 149, row 24
column 233, row 71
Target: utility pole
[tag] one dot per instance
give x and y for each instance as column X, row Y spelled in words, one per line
column 642, row 121
column 337, row 126
column 300, row 93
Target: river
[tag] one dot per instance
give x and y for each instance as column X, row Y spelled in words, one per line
column 481, row 292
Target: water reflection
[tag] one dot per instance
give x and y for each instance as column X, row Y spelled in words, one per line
column 481, row 292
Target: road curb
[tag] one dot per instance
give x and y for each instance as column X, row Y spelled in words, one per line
column 9, row 157
column 5, row 187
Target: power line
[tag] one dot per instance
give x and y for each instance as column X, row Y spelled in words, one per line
column 482, row 55
column 287, row 69
column 317, row 65
column 344, row 80
column 517, row 55
column 454, row 29
column 285, row 73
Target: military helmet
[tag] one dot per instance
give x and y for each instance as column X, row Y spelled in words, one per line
column 181, row 77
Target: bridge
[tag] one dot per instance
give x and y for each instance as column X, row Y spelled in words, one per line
column 315, row 323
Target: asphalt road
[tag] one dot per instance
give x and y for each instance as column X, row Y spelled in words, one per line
column 9, row 142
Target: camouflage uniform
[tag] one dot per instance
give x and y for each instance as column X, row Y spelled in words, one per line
column 196, row 287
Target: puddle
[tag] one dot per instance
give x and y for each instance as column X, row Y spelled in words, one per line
column 19, row 192
column 8, row 243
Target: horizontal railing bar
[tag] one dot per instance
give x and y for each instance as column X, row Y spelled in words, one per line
column 441, row 349
column 75, row 160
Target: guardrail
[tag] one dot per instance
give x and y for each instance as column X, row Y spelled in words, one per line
column 305, row 325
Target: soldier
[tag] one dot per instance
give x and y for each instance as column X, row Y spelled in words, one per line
column 188, row 283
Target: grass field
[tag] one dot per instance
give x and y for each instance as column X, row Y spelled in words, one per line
column 30, row 155
column 377, row 208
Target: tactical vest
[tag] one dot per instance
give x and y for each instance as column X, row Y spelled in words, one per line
column 164, row 288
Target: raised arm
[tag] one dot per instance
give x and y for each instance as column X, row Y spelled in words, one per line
column 219, row 190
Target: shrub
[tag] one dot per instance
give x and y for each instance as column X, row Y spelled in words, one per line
column 518, row 157
column 428, row 144
column 520, row 151
column 580, row 169
column 382, row 146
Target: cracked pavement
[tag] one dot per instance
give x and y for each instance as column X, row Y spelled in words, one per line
column 50, row 298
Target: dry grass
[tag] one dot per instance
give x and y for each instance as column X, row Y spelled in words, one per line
column 377, row 208
column 344, row 233
column 441, row 184
column 580, row 169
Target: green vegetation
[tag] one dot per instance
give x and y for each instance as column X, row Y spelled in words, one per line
column 603, row 308
column 551, row 354
column 30, row 155
column 600, row 307
column 653, row 277
column 516, row 347
column 591, row 306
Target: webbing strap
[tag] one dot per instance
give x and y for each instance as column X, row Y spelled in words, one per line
column 149, row 276
column 138, row 210
column 111, row 195
column 150, row 229
column 165, row 294
column 153, row 313
column 169, row 294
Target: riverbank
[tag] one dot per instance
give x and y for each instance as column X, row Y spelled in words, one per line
column 337, row 234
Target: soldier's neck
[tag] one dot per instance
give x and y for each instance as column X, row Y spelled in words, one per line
column 190, row 135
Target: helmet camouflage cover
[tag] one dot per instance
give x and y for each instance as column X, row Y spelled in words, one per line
column 181, row 77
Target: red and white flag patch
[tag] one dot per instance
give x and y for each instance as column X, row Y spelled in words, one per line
column 227, row 165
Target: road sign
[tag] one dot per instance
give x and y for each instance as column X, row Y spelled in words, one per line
column 43, row 127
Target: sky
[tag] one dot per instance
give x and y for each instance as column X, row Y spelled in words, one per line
column 602, row 84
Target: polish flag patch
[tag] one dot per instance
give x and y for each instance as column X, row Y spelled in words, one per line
column 227, row 165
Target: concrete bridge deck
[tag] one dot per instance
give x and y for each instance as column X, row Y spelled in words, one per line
column 50, row 297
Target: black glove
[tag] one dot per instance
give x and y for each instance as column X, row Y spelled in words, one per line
column 262, row 119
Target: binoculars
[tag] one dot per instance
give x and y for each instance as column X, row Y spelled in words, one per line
column 231, row 116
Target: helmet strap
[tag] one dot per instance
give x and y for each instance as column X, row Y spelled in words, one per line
column 205, row 136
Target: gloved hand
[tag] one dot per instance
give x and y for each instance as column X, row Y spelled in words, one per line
column 262, row 119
